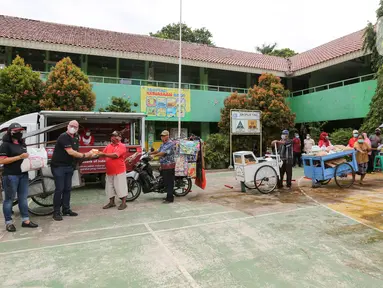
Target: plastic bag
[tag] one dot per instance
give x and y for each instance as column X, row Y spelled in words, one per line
column 38, row 158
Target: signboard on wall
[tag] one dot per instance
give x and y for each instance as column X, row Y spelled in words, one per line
column 162, row 103
column 245, row 122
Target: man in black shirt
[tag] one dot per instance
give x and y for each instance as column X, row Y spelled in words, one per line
column 62, row 165
column 285, row 150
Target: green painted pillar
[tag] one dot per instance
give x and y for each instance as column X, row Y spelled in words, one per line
column 46, row 61
column 118, row 67
column 204, row 78
column 84, row 63
column 8, row 55
column 205, row 130
column 248, row 80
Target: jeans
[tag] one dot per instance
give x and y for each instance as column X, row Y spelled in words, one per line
column 12, row 185
column 288, row 169
column 63, row 182
column 169, row 176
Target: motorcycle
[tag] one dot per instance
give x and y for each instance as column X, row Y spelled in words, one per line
column 144, row 179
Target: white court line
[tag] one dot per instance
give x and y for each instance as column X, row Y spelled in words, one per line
column 337, row 212
column 182, row 269
column 15, row 240
column 148, row 233
column 153, row 222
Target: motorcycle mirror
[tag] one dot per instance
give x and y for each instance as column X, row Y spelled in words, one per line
column 152, row 149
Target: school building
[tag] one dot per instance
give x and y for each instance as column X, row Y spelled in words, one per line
column 332, row 82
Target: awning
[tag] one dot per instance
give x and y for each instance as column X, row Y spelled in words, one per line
column 46, row 129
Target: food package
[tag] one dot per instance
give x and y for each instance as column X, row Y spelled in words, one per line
column 38, row 158
column 192, row 170
column 181, row 166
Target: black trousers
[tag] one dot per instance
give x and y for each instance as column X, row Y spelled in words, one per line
column 63, row 182
column 288, row 169
column 371, row 159
column 297, row 159
column 169, row 176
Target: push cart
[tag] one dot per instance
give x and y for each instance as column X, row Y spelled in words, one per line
column 341, row 166
column 257, row 173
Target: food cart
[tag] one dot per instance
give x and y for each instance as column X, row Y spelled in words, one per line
column 341, row 166
column 257, row 173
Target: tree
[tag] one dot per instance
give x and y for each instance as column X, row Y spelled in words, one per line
column 68, row 89
column 285, row 53
column 269, row 97
column 269, row 49
column 266, row 49
column 217, row 151
column 341, row 136
column 374, row 117
column 172, row 31
column 21, row 89
column 369, row 42
column 118, row 104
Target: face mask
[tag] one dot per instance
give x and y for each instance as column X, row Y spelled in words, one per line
column 327, row 137
column 114, row 140
column 361, row 141
column 377, row 133
column 87, row 134
column 283, row 137
column 297, row 136
column 17, row 136
column 72, row 130
column 307, row 137
column 356, row 135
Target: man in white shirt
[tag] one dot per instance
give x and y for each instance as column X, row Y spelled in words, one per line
column 308, row 144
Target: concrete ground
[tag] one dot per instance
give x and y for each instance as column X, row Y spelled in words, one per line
column 220, row 237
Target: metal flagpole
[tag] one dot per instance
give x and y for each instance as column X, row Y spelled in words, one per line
column 179, row 75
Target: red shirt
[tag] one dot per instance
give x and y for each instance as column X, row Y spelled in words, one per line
column 115, row 166
column 297, row 145
column 352, row 141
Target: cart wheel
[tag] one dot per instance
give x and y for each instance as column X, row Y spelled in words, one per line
column 266, row 179
column 42, row 189
column 325, row 182
column 344, row 175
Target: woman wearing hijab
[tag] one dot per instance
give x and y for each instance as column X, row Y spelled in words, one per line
column 324, row 140
column 362, row 148
column 12, row 152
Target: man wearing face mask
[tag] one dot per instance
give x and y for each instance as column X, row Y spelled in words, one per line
column 62, row 167
column 354, row 138
column 116, row 185
column 308, row 144
column 285, row 150
column 375, row 143
column 86, row 138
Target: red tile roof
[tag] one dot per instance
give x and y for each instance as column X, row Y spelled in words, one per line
column 38, row 31
column 331, row 50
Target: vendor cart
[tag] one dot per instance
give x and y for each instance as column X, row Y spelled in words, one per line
column 257, row 173
column 341, row 166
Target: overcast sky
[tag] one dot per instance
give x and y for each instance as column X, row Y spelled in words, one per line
column 240, row 24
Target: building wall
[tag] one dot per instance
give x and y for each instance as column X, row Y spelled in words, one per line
column 347, row 102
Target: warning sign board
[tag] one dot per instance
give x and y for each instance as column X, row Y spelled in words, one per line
column 245, row 122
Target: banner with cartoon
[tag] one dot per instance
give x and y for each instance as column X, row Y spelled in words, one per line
column 162, row 103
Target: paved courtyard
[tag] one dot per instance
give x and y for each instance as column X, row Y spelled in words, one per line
column 220, row 237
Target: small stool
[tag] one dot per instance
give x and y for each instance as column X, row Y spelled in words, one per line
column 380, row 165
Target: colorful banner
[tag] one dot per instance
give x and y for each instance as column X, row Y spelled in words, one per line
column 162, row 103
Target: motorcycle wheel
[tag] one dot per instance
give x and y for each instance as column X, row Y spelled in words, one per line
column 134, row 189
column 183, row 183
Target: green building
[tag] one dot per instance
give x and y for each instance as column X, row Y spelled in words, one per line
column 332, row 82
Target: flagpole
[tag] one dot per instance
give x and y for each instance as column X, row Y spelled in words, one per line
column 179, row 74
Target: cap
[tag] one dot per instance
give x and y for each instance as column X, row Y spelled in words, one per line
column 377, row 130
column 116, row 133
column 285, row 132
column 15, row 127
column 165, row 133
column 355, row 132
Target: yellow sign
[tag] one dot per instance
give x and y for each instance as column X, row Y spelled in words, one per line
column 163, row 102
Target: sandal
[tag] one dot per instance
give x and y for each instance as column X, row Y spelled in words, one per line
column 109, row 205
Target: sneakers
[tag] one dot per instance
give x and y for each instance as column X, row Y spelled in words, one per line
column 10, row 228
column 70, row 213
column 57, row 217
column 29, row 225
